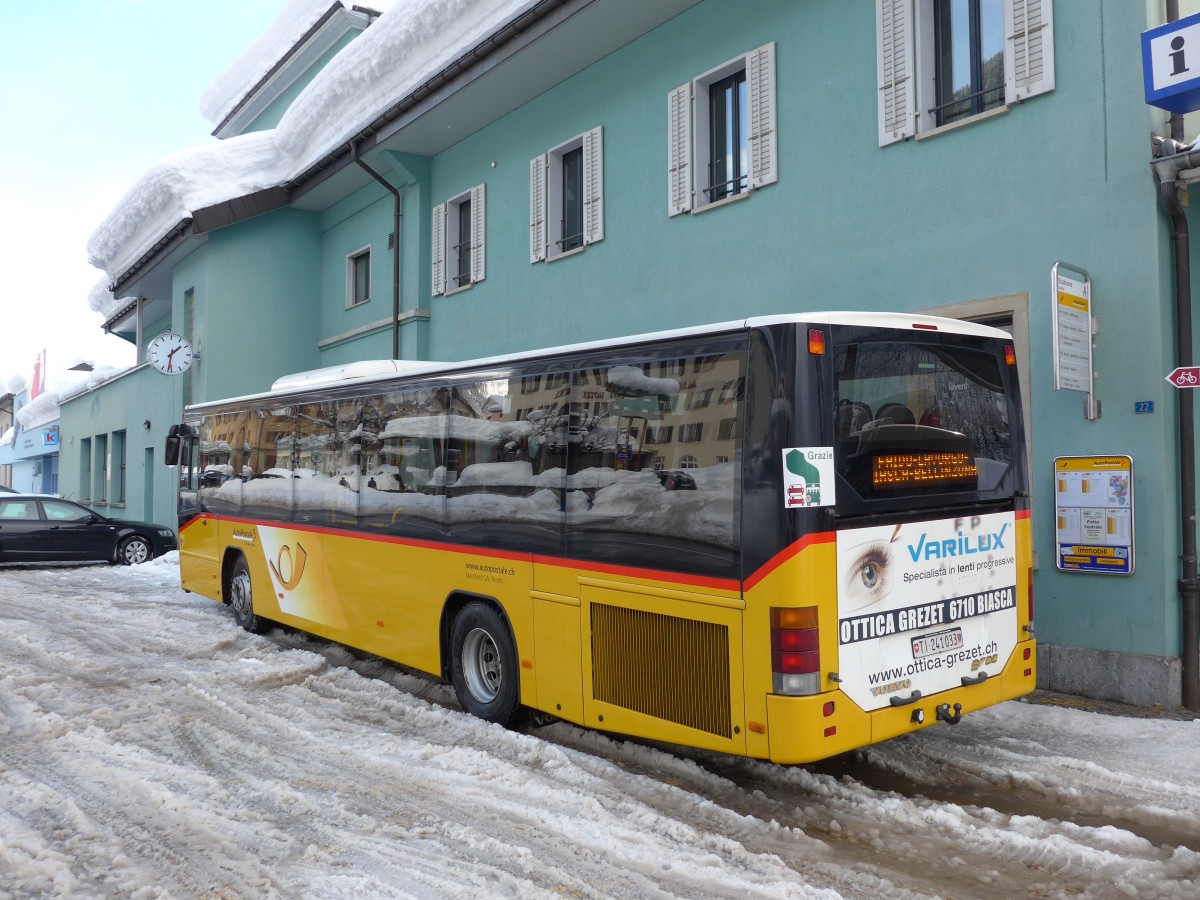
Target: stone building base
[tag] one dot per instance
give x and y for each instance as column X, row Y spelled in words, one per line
column 1108, row 675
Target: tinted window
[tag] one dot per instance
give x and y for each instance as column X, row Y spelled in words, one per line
column 65, row 512
column 652, row 478
column 18, row 509
column 501, row 487
column 266, row 489
column 903, row 399
column 402, row 451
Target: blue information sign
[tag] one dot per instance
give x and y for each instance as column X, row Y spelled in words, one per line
column 1171, row 65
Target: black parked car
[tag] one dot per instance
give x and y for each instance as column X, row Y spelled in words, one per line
column 36, row 528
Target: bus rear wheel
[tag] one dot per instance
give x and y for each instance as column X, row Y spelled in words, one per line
column 484, row 665
column 241, row 598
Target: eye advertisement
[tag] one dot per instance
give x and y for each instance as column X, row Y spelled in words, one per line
column 921, row 606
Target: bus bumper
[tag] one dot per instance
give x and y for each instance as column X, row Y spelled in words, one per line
column 807, row 729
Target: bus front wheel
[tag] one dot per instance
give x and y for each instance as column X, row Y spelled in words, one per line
column 241, row 598
column 484, row 669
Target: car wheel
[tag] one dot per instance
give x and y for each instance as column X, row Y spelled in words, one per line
column 241, row 598
column 134, row 549
column 484, row 665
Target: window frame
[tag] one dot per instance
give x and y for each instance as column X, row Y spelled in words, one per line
column 446, row 223
column 906, row 64
column 690, row 139
column 547, row 193
column 977, row 100
column 352, row 281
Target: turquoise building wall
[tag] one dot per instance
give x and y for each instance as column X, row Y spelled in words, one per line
column 124, row 404
column 978, row 212
column 966, row 215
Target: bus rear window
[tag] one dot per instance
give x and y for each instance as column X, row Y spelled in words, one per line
column 920, row 418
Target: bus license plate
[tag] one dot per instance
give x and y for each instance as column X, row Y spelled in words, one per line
column 938, row 642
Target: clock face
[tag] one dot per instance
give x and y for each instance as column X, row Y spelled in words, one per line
column 170, row 353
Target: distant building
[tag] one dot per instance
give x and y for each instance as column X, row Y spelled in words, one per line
column 29, row 443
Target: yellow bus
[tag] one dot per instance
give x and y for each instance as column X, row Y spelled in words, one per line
column 783, row 537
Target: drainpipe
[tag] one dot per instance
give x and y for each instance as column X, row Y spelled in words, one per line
column 395, row 247
column 1167, row 171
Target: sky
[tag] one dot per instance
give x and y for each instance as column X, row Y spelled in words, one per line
column 151, row 748
column 93, row 93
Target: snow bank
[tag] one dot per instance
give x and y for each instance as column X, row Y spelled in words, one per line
column 405, row 46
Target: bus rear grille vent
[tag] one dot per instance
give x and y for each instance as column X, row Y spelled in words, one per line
column 664, row 666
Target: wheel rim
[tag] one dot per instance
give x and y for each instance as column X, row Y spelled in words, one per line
column 136, row 551
column 482, row 669
column 240, row 597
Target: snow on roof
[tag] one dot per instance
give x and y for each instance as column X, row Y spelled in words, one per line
column 228, row 88
column 411, row 40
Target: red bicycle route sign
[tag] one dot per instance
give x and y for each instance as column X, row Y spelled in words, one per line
column 1185, row 377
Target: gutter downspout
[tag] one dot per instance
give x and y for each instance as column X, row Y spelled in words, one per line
column 1189, row 583
column 1167, row 170
column 395, row 192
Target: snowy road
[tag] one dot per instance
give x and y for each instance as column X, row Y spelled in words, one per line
column 149, row 748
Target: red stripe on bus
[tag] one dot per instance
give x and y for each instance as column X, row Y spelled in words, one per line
column 725, row 584
column 820, row 537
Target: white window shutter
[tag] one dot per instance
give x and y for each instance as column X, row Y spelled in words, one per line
column 679, row 150
column 478, row 222
column 760, row 85
column 895, row 70
column 1028, row 49
column 437, row 228
column 593, row 186
column 537, row 208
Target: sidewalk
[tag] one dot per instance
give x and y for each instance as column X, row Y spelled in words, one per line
column 1109, row 707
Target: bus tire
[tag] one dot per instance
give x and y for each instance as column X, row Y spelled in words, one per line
column 241, row 598
column 484, row 665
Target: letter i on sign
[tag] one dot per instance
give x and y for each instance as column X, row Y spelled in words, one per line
column 1179, row 66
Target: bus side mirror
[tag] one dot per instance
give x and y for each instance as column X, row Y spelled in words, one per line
column 173, row 444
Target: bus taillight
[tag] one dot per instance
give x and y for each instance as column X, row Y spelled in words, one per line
column 1010, row 355
column 795, row 651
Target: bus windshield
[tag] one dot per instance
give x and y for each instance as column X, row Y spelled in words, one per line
column 921, row 418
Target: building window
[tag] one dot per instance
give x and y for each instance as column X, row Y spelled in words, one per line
column 659, row 434
column 945, row 61
column 968, row 37
column 700, row 398
column 728, row 132
column 691, row 433
column 689, row 462
column 566, row 197
column 118, row 473
column 100, row 470
column 85, row 468
column 459, row 257
column 721, row 133
column 727, row 429
column 358, row 277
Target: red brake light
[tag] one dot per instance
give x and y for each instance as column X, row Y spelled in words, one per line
column 796, row 663
column 923, row 327
column 816, row 342
column 798, row 641
column 1010, row 355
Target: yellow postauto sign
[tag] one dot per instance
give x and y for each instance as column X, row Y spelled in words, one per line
column 1093, row 511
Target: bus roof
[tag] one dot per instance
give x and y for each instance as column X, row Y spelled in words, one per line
column 367, row 371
